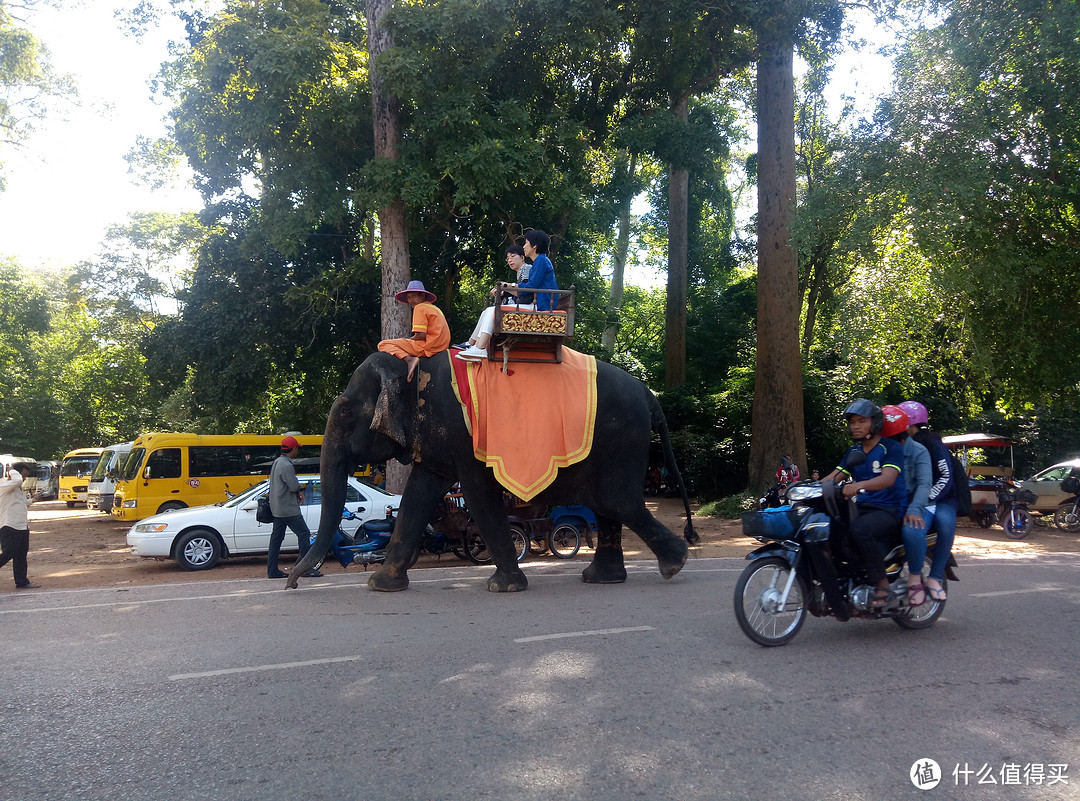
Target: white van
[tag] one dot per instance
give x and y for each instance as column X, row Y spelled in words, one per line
column 102, row 487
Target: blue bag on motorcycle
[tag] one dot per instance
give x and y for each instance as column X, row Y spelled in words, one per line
column 777, row 523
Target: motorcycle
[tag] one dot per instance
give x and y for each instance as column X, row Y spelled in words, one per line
column 1012, row 512
column 774, row 497
column 1067, row 516
column 806, row 565
column 368, row 545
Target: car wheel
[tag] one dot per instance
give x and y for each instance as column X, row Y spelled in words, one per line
column 171, row 506
column 199, row 549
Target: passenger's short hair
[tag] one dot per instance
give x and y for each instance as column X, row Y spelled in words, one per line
column 518, row 249
column 538, row 239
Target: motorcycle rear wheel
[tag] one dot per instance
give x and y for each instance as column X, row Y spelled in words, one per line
column 757, row 593
column 1017, row 523
column 925, row 616
column 475, row 548
column 1067, row 517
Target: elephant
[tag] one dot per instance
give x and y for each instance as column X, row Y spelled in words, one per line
column 382, row 416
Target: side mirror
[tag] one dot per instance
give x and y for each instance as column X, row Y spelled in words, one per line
column 856, row 459
column 146, row 472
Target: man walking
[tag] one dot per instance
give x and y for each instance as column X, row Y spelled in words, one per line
column 285, row 499
column 14, row 523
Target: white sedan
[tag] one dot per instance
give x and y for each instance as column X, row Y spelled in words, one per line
column 199, row 537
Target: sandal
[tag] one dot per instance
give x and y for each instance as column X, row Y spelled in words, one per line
column 916, row 594
column 881, row 595
column 936, row 593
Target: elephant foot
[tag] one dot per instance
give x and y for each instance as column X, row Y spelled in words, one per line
column 672, row 559
column 383, row 581
column 603, row 574
column 507, row 582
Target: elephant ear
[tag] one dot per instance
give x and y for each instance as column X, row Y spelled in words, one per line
column 390, row 412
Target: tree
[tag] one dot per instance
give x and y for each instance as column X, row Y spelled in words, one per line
column 27, row 80
column 982, row 138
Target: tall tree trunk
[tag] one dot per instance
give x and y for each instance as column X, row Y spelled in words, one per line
column 777, row 426
column 675, row 315
column 622, row 247
column 393, row 236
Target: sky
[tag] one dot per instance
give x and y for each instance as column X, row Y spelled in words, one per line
column 71, row 183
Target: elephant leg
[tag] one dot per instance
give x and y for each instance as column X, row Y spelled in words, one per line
column 607, row 566
column 671, row 551
column 422, row 494
column 485, row 501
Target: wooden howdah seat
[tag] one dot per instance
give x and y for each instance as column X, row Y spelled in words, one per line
column 522, row 334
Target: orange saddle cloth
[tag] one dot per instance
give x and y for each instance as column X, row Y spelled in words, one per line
column 527, row 424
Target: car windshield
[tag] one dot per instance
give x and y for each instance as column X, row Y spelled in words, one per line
column 1056, row 473
column 249, row 494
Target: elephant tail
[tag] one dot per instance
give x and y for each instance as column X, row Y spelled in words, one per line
column 659, row 425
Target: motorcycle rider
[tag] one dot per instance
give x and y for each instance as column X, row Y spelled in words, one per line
column 919, row 516
column 875, row 466
column 942, row 498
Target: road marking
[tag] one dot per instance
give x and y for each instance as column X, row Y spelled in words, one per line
column 1024, row 591
column 179, row 599
column 592, row 633
column 257, row 668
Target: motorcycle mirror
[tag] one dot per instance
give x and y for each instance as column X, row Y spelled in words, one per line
column 855, row 459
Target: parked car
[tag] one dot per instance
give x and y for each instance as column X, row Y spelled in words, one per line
column 199, row 537
column 1047, row 486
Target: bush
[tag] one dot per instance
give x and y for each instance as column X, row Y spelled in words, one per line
column 730, row 507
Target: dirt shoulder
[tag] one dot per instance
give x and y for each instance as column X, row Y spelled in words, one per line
column 76, row 548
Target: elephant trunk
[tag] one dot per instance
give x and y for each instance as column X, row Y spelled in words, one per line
column 335, row 464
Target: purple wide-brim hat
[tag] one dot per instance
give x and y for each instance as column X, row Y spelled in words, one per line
column 415, row 286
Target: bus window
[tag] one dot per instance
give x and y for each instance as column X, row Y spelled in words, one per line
column 215, row 460
column 163, row 463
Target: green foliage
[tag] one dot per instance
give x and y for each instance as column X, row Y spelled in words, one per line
column 730, row 507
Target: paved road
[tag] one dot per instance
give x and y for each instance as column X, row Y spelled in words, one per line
column 647, row 690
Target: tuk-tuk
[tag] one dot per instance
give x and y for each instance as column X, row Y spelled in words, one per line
column 984, row 478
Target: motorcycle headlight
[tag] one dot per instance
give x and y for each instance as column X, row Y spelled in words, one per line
column 803, row 492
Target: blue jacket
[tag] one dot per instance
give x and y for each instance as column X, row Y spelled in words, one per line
column 917, row 475
column 541, row 276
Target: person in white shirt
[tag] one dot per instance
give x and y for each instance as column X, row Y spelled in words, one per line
column 14, row 523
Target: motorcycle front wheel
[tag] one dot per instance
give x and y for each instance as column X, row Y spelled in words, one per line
column 757, row 602
column 1067, row 517
column 1017, row 523
column 521, row 541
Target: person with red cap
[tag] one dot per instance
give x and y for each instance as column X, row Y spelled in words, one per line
column 431, row 334
column 285, row 499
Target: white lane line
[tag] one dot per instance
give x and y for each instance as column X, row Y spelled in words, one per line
column 592, row 633
column 258, row 668
column 1024, row 591
column 179, row 599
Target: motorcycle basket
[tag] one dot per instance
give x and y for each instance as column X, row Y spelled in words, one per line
column 774, row 524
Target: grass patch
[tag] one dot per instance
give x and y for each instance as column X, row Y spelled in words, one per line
column 730, row 507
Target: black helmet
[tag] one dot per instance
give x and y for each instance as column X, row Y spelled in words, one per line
column 865, row 408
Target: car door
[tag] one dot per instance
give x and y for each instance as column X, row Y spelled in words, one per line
column 355, row 502
column 248, row 534
column 1047, row 485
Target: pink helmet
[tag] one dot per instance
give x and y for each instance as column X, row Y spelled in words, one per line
column 916, row 412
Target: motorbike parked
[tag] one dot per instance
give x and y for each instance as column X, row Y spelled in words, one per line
column 1067, row 516
column 806, row 565
column 774, row 497
column 1012, row 512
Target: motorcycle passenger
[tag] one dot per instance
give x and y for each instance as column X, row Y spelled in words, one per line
column 878, row 488
column 917, row 519
column 942, row 498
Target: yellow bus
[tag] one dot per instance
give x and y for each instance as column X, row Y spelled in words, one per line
column 173, row 471
column 75, row 472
